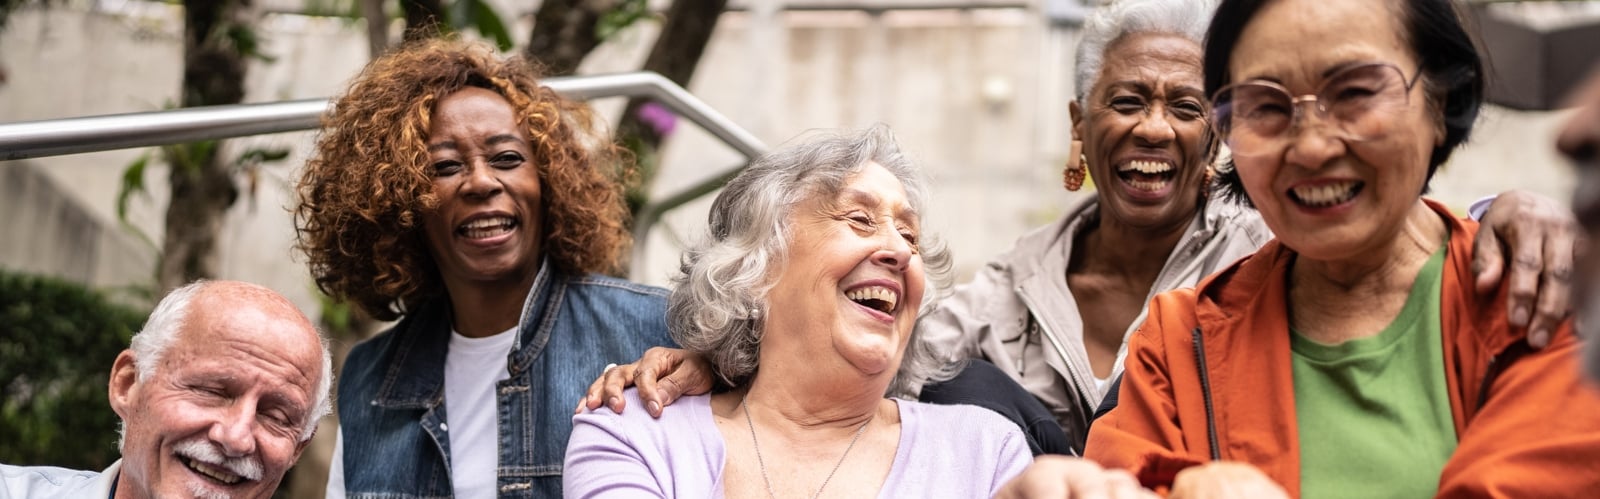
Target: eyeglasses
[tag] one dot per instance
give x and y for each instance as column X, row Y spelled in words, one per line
column 1256, row 117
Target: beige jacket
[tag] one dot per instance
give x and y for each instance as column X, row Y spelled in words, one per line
column 1018, row 313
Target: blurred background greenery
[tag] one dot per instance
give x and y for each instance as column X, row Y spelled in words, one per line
column 57, row 342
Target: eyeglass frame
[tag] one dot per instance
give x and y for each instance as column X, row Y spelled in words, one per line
column 1314, row 98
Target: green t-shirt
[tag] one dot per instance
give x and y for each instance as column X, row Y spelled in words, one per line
column 1374, row 413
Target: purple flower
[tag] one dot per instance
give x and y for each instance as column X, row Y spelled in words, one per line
column 658, row 118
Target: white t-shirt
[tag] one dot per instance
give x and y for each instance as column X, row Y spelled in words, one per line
column 471, row 369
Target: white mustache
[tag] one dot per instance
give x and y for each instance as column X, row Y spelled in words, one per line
column 205, row 451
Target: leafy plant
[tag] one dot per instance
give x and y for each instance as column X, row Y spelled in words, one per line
column 188, row 158
column 57, row 343
column 480, row 16
column 624, row 15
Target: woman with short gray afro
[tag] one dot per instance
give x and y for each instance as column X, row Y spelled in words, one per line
column 717, row 304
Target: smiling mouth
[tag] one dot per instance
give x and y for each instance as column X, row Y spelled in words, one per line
column 1149, row 176
column 215, row 473
column 1325, row 195
column 877, row 298
column 487, row 227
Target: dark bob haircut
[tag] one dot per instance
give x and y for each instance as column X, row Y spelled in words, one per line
column 1453, row 73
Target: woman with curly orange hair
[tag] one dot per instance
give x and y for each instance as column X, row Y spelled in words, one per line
column 450, row 191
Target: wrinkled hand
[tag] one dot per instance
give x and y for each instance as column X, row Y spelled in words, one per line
column 1540, row 235
column 1224, row 480
column 662, row 375
column 1062, row 477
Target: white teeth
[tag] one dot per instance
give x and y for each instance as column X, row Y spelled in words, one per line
column 1326, row 194
column 487, row 222
column 1157, row 169
column 1148, row 185
column 880, row 293
column 1148, row 167
column 219, row 474
column 487, row 227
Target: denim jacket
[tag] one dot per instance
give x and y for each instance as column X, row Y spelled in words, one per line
column 391, row 394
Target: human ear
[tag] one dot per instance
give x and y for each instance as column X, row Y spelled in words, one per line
column 124, row 381
column 300, row 447
column 1076, row 112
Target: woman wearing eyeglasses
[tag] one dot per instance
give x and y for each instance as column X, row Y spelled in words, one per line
column 1350, row 357
column 1053, row 312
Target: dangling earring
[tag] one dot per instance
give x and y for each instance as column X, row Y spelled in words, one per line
column 1205, row 183
column 1073, row 176
column 1077, row 168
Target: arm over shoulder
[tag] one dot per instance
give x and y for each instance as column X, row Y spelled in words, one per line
column 602, row 460
column 1537, row 433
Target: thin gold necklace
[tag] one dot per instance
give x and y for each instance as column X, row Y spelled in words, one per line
column 763, row 463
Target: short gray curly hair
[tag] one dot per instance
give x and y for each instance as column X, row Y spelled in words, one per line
column 715, row 308
column 1185, row 18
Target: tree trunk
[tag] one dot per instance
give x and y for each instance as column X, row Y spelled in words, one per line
column 377, row 27
column 684, row 35
column 424, row 18
column 202, row 186
column 564, row 32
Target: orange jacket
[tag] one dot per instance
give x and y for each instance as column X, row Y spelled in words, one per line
column 1527, row 426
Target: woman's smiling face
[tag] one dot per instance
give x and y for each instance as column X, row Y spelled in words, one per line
column 487, row 226
column 852, row 278
column 1322, row 193
column 1143, row 130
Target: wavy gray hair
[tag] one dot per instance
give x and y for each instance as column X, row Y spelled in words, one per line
column 1185, row 18
column 151, row 343
column 717, row 300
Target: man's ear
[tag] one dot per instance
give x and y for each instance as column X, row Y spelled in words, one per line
column 124, row 381
column 300, row 448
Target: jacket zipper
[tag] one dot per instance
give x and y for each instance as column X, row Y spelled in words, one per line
column 1044, row 330
column 1497, row 364
column 1205, row 389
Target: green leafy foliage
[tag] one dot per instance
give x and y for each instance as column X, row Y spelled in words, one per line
column 625, row 14
column 246, row 41
column 347, row 9
column 337, row 316
column 187, row 157
column 57, row 343
column 132, row 183
column 479, row 15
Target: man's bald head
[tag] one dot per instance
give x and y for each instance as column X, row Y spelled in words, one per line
column 219, row 394
column 231, row 301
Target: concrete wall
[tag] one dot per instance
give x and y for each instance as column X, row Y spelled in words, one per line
column 47, row 231
column 991, row 153
column 65, row 62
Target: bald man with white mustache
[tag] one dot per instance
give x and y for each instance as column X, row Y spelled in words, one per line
column 218, row 396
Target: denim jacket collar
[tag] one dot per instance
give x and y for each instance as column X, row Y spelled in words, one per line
column 415, row 380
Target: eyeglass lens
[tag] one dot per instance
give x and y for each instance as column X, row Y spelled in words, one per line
column 1354, row 103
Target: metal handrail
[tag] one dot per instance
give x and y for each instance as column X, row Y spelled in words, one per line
column 32, row 139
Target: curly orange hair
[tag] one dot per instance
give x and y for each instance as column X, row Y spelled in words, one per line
column 364, row 191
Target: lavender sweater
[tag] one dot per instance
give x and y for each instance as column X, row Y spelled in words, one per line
column 945, row 451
